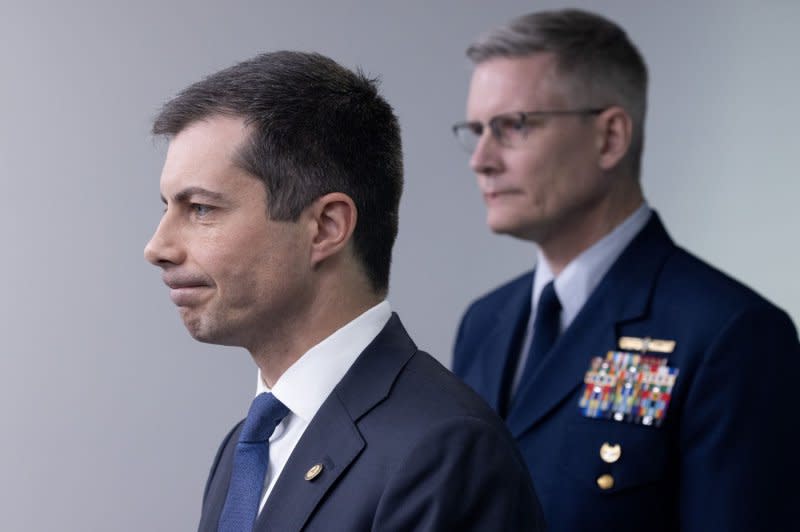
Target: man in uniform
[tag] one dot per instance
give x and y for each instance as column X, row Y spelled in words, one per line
column 645, row 389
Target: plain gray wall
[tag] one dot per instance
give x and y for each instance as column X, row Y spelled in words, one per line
column 111, row 412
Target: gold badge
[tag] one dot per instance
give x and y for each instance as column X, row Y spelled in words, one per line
column 646, row 344
column 605, row 482
column 314, row 472
column 610, row 453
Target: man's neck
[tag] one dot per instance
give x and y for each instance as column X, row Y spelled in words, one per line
column 326, row 315
column 576, row 236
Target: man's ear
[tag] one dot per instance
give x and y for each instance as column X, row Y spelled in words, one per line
column 615, row 129
column 333, row 219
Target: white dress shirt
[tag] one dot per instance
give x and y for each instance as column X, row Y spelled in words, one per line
column 308, row 382
column 580, row 277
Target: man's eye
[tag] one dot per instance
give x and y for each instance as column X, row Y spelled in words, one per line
column 514, row 124
column 201, row 210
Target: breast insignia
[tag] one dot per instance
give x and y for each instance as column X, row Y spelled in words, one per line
column 628, row 387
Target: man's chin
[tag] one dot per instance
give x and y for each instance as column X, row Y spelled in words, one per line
column 201, row 337
column 197, row 327
column 207, row 333
column 529, row 230
column 497, row 226
column 503, row 227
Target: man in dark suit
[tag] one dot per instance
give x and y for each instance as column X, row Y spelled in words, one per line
column 645, row 389
column 281, row 185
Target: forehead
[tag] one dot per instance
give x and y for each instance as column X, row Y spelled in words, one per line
column 203, row 152
column 507, row 84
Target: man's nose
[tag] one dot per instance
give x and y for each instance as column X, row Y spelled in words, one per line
column 485, row 159
column 164, row 248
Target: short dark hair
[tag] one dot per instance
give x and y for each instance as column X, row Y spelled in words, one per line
column 594, row 55
column 317, row 128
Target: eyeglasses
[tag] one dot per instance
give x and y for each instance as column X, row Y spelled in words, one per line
column 510, row 129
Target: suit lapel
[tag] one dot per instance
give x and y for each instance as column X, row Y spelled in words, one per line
column 219, row 480
column 624, row 294
column 499, row 351
column 332, row 439
column 333, row 442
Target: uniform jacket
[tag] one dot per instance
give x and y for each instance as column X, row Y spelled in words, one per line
column 404, row 445
column 725, row 456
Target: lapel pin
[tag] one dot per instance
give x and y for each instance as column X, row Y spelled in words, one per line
column 314, row 472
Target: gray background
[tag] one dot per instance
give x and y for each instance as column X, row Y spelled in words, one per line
column 110, row 412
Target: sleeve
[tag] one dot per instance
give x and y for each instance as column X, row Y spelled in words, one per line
column 464, row 475
column 739, row 463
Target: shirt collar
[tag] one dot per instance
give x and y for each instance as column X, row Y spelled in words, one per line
column 582, row 275
column 308, row 382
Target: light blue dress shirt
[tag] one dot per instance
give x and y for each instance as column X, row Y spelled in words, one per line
column 580, row 277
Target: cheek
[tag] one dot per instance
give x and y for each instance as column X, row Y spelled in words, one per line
column 258, row 262
column 535, row 172
column 231, row 264
column 569, row 164
column 270, row 267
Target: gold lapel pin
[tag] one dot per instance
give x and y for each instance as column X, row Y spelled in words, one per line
column 314, row 472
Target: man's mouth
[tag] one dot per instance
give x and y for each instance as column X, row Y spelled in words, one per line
column 185, row 290
column 494, row 195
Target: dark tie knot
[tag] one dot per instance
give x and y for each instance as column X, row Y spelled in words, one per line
column 264, row 415
column 546, row 324
column 548, row 304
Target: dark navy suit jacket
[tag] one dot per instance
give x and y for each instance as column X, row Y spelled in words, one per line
column 726, row 455
column 404, row 446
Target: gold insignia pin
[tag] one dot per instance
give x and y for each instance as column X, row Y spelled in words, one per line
column 610, row 453
column 605, row 482
column 646, row 344
column 314, row 472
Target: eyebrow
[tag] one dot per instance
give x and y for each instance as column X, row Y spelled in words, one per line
column 192, row 192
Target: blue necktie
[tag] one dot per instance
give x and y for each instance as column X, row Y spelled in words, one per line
column 545, row 330
column 250, row 463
